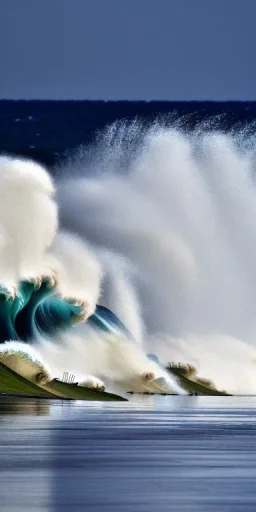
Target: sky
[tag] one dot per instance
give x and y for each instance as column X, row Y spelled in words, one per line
column 128, row 49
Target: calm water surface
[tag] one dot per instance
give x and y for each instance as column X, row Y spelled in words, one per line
column 153, row 454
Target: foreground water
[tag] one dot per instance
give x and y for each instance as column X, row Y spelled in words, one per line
column 149, row 454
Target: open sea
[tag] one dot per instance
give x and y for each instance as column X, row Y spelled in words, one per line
column 151, row 454
column 49, row 131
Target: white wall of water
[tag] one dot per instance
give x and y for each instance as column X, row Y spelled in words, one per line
column 167, row 239
column 182, row 212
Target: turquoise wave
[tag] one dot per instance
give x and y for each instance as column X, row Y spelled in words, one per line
column 38, row 310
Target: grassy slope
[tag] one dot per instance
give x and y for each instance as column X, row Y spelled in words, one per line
column 194, row 387
column 80, row 393
column 12, row 383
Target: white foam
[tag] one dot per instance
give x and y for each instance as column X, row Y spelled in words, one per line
column 25, row 360
column 28, row 218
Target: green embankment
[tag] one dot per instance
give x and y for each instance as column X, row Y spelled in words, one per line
column 80, row 393
column 194, row 387
column 13, row 384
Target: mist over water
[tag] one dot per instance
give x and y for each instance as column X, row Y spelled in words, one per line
column 180, row 211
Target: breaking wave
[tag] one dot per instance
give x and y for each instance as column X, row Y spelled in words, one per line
column 155, row 254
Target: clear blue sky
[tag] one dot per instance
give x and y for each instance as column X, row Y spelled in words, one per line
column 128, row 49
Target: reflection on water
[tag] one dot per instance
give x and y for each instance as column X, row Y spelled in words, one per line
column 19, row 406
column 151, row 454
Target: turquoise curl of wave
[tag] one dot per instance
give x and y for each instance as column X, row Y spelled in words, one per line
column 38, row 310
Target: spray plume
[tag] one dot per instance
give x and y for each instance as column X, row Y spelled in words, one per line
column 181, row 210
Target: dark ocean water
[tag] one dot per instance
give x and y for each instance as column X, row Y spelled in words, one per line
column 180, row 454
column 48, row 131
